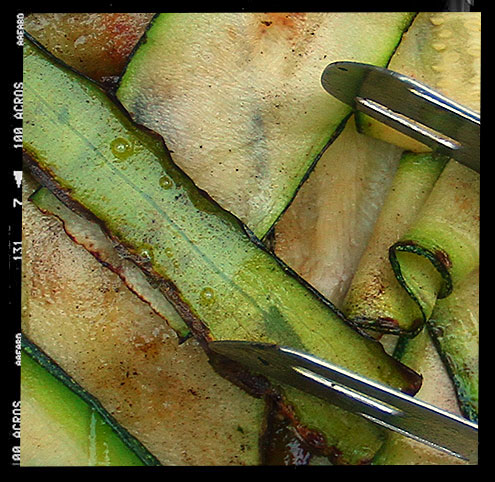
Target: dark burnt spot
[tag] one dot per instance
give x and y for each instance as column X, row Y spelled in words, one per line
column 435, row 330
column 293, row 23
column 194, row 393
column 467, row 370
column 148, row 348
column 280, row 443
column 388, row 323
column 365, row 462
column 443, row 258
column 256, row 385
column 375, row 327
column 314, row 439
column 407, row 243
column 392, row 326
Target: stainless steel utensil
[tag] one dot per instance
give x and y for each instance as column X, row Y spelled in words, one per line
column 383, row 405
column 409, row 107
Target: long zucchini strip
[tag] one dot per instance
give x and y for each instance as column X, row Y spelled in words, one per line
column 238, row 101
column 375, row 298
column 89, row 235
column 325, row 230
column 441, row 247
column 93, row 435
column 454, row 327
column 224, row 285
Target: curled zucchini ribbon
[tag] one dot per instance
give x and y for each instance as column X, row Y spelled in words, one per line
column 420, row 266
column 429, row 226
column 441, row 247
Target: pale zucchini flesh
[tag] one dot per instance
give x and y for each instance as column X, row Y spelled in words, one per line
column 89, row 235
column 436, row 259
column 238, row 101
column 326, row 229
column 126, row 181
column 446, row 355
column 199, row 411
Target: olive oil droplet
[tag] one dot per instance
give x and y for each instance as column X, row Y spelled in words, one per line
column 166, row 182
column 207, row 296
column 121, row 148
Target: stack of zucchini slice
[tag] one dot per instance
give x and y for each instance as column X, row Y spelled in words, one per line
column 237, row 100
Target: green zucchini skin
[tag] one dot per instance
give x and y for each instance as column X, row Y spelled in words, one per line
column 111, row 443
column 425, row 242
column 454, row 328
column 238, row 101
column 224, row 285
column 95, row 326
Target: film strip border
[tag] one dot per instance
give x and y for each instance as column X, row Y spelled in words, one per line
column 12, row 164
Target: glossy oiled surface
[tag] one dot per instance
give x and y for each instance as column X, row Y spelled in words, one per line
column 410, row 454
column 238, row 100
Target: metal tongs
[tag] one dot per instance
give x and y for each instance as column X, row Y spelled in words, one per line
column 379, row 403
column 409, row 107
